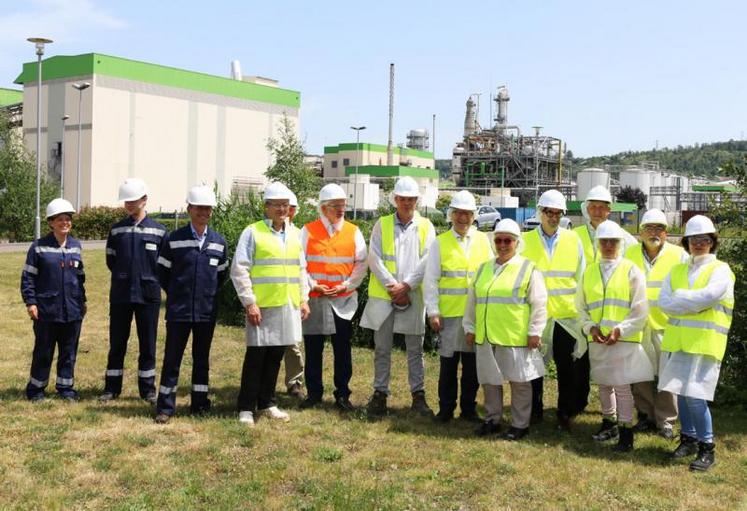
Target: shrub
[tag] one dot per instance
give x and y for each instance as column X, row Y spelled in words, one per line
column 94, row 223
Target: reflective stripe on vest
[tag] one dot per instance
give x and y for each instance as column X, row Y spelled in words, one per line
column 559, row 272
column 609, row 304
column 590, row 250
column 704, row 333
column 375, row 287
column 276, row 269
column 458, row 270
column 668, row 257
column 501, row 307
column 329, row 260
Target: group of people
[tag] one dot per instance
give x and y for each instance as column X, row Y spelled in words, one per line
column 646, row 321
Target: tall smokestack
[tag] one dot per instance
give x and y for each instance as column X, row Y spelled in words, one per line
column 389, row 144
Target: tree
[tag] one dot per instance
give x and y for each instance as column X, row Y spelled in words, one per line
column 18, row 186
column 289, row 167
column 633, row 195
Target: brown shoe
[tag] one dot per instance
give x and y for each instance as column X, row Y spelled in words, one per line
column 296, row 391
column 162, row 418
column 420, row 405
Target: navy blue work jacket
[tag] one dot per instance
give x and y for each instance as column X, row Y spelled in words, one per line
column 53, row 279
column 132, row 257
column 191, row 276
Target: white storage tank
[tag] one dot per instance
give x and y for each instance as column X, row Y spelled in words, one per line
column 638, row 178
column 587, row 179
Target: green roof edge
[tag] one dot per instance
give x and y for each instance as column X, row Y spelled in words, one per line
column 377, row 148
column 392, row 171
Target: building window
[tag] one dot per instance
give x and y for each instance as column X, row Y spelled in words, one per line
column 345, row 162
column 334, row 164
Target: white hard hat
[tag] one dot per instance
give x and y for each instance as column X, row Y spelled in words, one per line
column 552, row 199
column 331, row 191
column 276, row 190
column 600, row 193
column 132, row 189
column 654, row 217
column 201, row 195
column 406, row 187
column 699, row 224
column 59, row 206
column 609, row 230
column 293, row 200
column 508, row 226
column 463, row 200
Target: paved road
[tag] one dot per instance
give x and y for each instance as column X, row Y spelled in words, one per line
column 23, row 247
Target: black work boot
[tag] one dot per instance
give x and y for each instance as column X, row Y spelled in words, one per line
column 688, row 446
column 420, row 405
column 706, row 457
column 607, row 431
column 625, row 442
column 644, row 424
column 377, row 404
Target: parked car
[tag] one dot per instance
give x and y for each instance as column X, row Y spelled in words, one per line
column 532, row 222
column 486, row 217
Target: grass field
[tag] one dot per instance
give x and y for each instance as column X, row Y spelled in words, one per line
column 57, row 455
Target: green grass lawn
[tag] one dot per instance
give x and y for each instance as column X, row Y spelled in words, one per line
column 57, row 455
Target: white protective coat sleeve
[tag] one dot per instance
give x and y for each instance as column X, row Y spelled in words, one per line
column 415, row 277
column 431, row 279
column 684, row 301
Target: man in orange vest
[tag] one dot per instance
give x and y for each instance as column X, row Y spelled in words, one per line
column 336, row 257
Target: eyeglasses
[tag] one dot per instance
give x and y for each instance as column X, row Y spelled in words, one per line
column 702, row 239
column 278, row 205
column 656, row 229
column 609, row 241
column 335, row 206
column 504, row 241
column 552, row 212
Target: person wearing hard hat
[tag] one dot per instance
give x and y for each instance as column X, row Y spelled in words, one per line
column 53, row 289
column 559, row 256
column 698, row 296
column 595, row 209
column 397, row 257
column 269, row 274
column 613, row 310
column 293, row 358
column 132, row 250
column 336, row 264
column 655, row 257
column 507, row 307
column 191, row 268
column 452, row 262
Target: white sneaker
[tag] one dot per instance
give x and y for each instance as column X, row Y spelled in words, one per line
column 246, row 418
column 274, row 412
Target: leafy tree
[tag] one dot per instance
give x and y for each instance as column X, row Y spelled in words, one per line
column 289, row 167
column 633, row 195
column 18, row 186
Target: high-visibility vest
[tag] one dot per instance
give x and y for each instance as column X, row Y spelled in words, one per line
column 458, row 270
column 668, row 257
column 590, row 250
column 608, row 305
column 276, row 269
column 330, row 260
column 559, row 272
column 375, row 287
column 703, row 333
column 501, row 307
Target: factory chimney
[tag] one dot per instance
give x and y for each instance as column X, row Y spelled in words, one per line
column 469, row 118
column 389, row 145
column 235, row 70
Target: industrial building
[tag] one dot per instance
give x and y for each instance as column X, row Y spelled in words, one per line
column 343, row 156
column 171, row 127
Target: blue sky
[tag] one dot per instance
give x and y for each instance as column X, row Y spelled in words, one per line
column 604, row 77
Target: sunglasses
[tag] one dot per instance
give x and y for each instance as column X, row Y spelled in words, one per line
column 703, row 239
column 503, row 241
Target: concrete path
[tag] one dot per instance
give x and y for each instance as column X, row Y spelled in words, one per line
column 23, row 247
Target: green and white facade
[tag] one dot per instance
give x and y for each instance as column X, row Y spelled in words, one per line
column 171, row 127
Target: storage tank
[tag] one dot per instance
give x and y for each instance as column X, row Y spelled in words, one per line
column 638, row 178
column 418, row 139
column 587, row 179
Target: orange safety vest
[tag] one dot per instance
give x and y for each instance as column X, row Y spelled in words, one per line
column 330, row 261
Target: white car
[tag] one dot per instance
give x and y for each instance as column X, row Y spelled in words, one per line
column 532, row 222
column 486, row 217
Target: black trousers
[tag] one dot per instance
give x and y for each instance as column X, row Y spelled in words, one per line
column 177, row 335
column 343, row 365
column 447, row 383
column 573, row 375
column 120, row 322
column 47, row 336
column 259, row 375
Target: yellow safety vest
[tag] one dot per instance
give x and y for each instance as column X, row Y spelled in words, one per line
column 608, row 305
column 501, row 306
column 703, row 333
column 559, row 273
column 276, row 270
column 590, row 251
column 376, row 288
column 458, row 270
column 668, row 257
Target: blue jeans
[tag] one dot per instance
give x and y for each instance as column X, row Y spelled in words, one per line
column 695, row 417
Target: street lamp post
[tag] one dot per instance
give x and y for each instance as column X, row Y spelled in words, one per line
column 80, row 87
column 358, row 130
column 39, row 43
column 62, row 157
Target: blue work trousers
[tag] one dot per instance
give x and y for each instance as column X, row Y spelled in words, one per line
column 47, row 335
